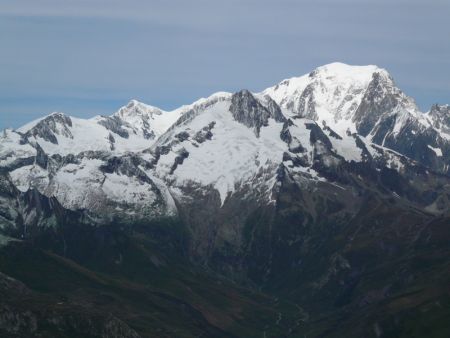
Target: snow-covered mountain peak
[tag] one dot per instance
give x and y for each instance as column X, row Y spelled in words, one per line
column 335, row 74
column 342, row 73
column 203, row 102
column 52, row 118
column 135, row 108
column 331, row 94
column 50, row 127
column 146, row 120
column 439, row 116
column 186, row 113
column 439, row 110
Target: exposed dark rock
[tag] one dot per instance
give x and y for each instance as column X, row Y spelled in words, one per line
column 380, row 97
column 247, row 110
column 148, row 135
column 297, row 161
column 415, row 141
column 366, row 156
column 49, row 127
column 114, row 124
column 285, row 134
column 162, row 150
column 41, row 157
column 306, row 105
column 317, row 134
column 183, row 136
column 440, row 116
column 275, row 110
column 205, row 134
column 182, row 155
column 128, row 166
column 332, row 133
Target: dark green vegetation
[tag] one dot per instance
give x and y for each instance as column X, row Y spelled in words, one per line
column 358, row 278
column 138, row 279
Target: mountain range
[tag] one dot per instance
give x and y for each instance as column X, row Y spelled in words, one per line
column 318, row 207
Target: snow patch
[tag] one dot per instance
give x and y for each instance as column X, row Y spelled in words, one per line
column 437, row 151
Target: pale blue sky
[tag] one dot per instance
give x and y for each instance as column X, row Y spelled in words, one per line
column 88, row 57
